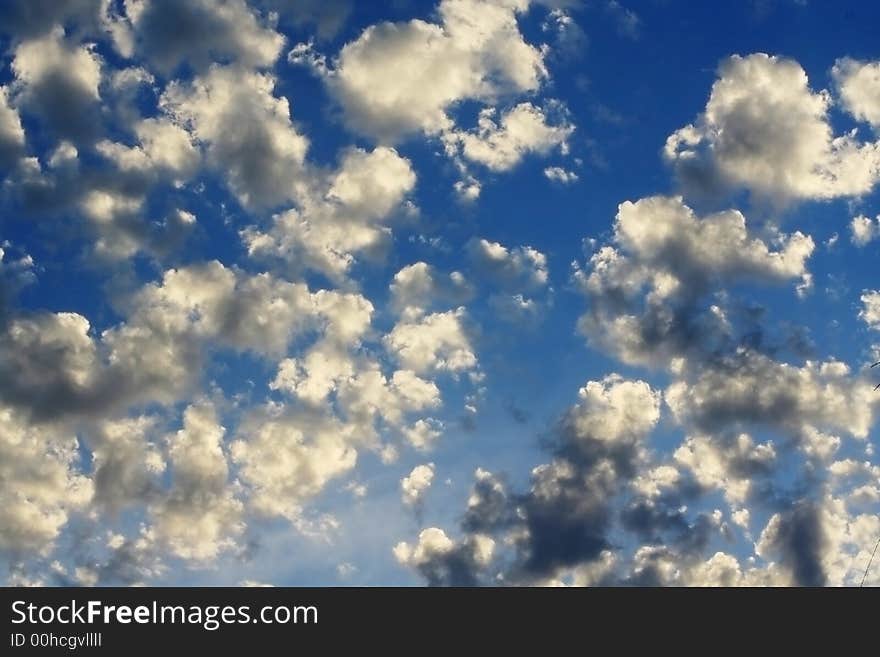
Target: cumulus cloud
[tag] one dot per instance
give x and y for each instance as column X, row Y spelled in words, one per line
column 439, row 341
column 518, row 276
column 126, row 461
column 645, row 291
column 560, row 175
column 41, row 483
column 200, row 515
column 343, row 215
column 521, row 268
column 328, row 16
column 12, row 137
column 501, row 145
column 156, row 352
column 564, row 519
column 870, row 312
column 442, row 561
column 765, row 130
column 858, row 84
column 247, row 132
column 169, row 34
column 414, row 486
column 864, row 229
column 285, row 458
column 728, row 465
column 59, row 82
column 751, row 388
column 475, row 51
column 34, row 18
column 419, row 287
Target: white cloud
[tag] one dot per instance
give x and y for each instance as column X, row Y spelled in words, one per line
column 423, row 433
column 126, row 462
column 501, row 145
column 476, row 51
column 435, row 342
column 200, row 515
column 339, row 218
column 560, row 175
column 40, row 484
column 765, row 130
column 615, row 410
column 414, row 486
column 870, row 312
column 517, row 269
column 858, row 84
column 726, row 465
column 247, row 131
column 285, row 459
column 864, row 229
column 163, row 147
column 419, row 287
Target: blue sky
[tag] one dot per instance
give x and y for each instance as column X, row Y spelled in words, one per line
column 455, row 292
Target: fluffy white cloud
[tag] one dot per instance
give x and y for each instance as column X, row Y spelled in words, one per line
column 517, row 269
column 419, row 287
column 562, row 522
column 423, row 433
column 858, row 84
column 162, row 147
column 560, row 175
column 864, row 229
column 247, row 131
column 870, row 312
column 438, row 341
column 200, row 515
column 820, row 543
column 156, row 353
column 286, row 458
column 126, row 462
column 40, row 483
column 414, row 486
column 341, row 216
column 475, row 51
column 615, row 410
column 765, row 130
column 156, row 349
column 726, row 465
column 501, row 145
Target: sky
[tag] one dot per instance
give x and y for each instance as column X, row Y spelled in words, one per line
column 458, row 292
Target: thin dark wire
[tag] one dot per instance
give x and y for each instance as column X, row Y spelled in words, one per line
column 868, row 567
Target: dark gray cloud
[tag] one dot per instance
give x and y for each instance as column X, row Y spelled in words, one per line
column 797, row 535
column 23, row 19
column 327, row 16
column 197, row 33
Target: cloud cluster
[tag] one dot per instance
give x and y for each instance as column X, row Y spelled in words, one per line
column 649, row 294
